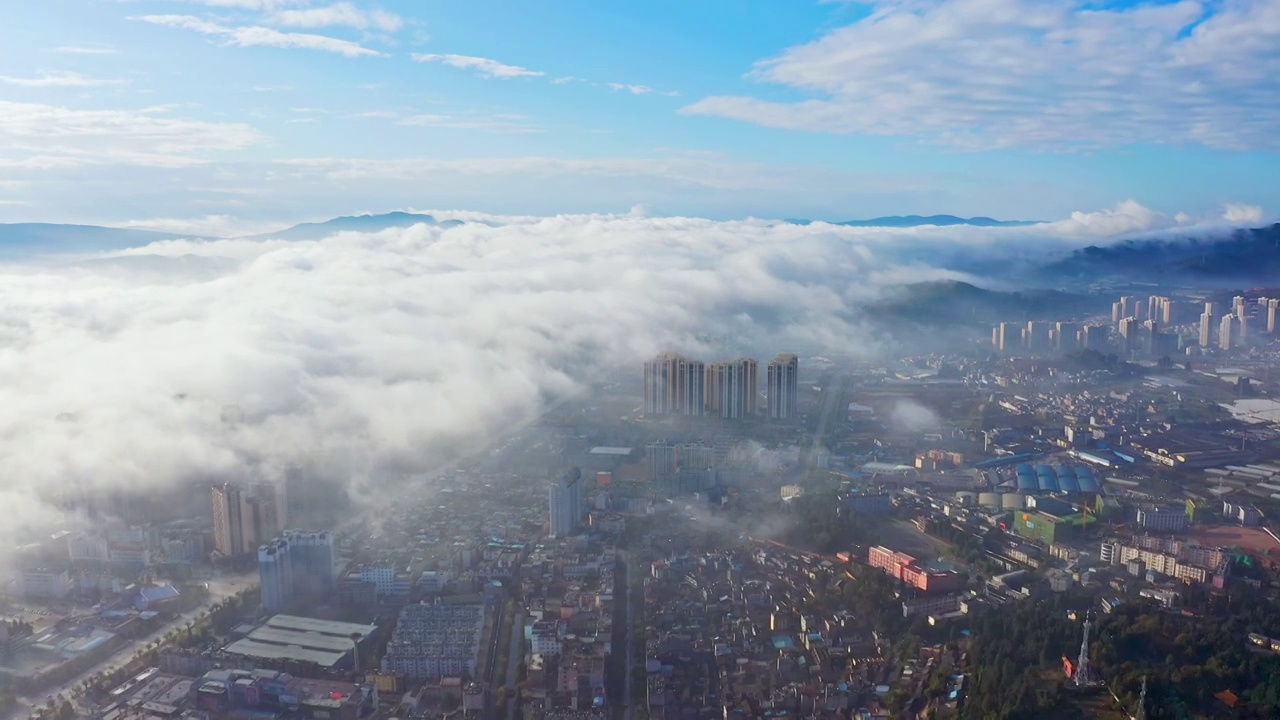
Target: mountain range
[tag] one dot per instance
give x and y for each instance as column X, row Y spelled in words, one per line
column 905, row 221
column 1243, row 256
column 20, row 239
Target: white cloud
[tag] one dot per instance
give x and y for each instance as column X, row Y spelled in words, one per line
column 1239, row 214
column 1131, row 217
column 57, row 79
column 205, row 226
column 368, row 357
column 566, row 80
column 53, row 136
column 1127, row 217
column 633, row 89
column 85, row 50
column 338, row 14
column 257, row 36
column 485, row 66
column 502, row 124
column 249, row 4
column 1046, row 74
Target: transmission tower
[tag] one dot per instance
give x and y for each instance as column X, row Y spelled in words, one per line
column 1082, row 663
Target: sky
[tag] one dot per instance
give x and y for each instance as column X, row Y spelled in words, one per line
column 230, row 116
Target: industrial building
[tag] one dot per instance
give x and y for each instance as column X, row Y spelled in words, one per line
column 325, row 643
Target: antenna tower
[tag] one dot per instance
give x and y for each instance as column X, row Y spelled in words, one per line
column 1082, row 663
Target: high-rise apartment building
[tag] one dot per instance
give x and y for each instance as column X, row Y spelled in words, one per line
column 566, row 502
column 1117, row 312
column 1206, row 327
column 1036, row 336
column 228, row 521
column 275, row 572
column 1272, row 305
column 732, row 388
column 1224, row 333
column 244, row 518
column 311, row 558
column 1006, row 337
column 673, row 385
column 783, row 386
column 1066, row 337
column 1094, row 337
column 1128, row 336
column 1128, row 306
column 1237, row 306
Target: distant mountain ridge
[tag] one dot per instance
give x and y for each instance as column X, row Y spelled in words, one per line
column 904, row 221
column 353, row 223
column 17, row 239
column 1241, row 255
column 954, row 302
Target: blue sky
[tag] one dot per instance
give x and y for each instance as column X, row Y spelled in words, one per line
column 229, row 115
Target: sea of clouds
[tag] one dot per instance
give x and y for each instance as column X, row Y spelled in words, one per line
column 371, row 356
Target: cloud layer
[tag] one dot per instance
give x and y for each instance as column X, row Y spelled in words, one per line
column 375, row 354
column 1046, row 74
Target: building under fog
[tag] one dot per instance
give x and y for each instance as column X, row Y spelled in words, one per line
column 783, row 386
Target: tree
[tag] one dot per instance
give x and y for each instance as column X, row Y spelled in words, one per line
column 67, row 711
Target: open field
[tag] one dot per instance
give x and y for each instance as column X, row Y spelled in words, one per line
column 1253, row 540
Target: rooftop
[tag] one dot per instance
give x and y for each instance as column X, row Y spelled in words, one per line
column 324, row 642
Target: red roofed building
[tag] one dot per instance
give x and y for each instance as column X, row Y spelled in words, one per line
column 907, row 569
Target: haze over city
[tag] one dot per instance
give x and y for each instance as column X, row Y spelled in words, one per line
column 908, row 358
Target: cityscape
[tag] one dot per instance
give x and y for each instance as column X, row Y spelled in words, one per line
column 803, row 360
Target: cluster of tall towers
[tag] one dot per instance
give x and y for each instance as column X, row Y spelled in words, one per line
column 246, row 517
column 1043, row 337
column 298, row 564
column 676, row 385
column 1234, row 326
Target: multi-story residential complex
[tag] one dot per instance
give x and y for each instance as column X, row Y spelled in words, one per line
column 1225, row 327
column 684, row 467
column 243, row 519
column 674, row 385
column 904, row 567
column 783, row 386
column 732, row 388
column 435, row 641
column 1206, row 328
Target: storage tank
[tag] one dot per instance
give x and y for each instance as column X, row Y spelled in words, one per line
column 989, row 500
column 1013, row 501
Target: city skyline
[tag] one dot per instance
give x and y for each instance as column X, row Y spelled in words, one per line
column 179, row 112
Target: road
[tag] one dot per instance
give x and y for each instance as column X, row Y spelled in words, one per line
column 514, row 654
column 219, row 588
column 634, row 581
